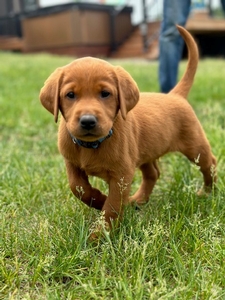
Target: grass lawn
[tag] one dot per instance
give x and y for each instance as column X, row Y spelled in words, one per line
column 173, row 248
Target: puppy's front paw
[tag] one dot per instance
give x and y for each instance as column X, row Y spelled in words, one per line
column 98, row 234
column 137, row 201
column 206, row 191
column 99, row 228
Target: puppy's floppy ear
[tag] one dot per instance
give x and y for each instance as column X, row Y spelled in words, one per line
column 127, row 90
column 49, row 94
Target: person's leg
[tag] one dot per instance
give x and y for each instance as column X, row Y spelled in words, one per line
column 171, row 43
column 223, row 5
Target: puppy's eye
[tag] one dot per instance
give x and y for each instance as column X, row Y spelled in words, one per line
column 71, row 95
column 104, row 94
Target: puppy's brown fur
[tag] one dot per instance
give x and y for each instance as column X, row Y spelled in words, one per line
column 91, row 91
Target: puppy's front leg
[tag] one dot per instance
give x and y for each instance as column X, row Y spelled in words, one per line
column 118, row 197
column 81, row 187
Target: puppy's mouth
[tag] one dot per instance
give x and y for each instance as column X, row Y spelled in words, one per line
column 89, row 136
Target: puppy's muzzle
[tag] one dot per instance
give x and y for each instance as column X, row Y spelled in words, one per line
column 88, row 122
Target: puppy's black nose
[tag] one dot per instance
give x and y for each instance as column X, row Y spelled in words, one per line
column 88, row 122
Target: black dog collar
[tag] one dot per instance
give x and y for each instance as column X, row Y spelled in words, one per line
column 92, row 145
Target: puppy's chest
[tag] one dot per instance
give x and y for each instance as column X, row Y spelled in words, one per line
column 93, row 163
column 93, row 169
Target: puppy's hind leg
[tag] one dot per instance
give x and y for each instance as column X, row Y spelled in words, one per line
column 201, row 155
column 150, row 174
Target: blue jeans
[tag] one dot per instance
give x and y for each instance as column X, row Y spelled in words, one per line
column 223, row 5
column 170, row 41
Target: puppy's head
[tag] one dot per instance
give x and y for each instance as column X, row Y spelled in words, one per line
column 89, row 92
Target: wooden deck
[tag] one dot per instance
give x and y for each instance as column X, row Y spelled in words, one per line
column 201, row 22
column 11, row 43
column 133, row 45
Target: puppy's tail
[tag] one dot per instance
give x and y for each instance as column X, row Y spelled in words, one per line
column 184, row 85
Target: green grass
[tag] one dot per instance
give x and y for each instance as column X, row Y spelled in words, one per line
column 173, row 248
